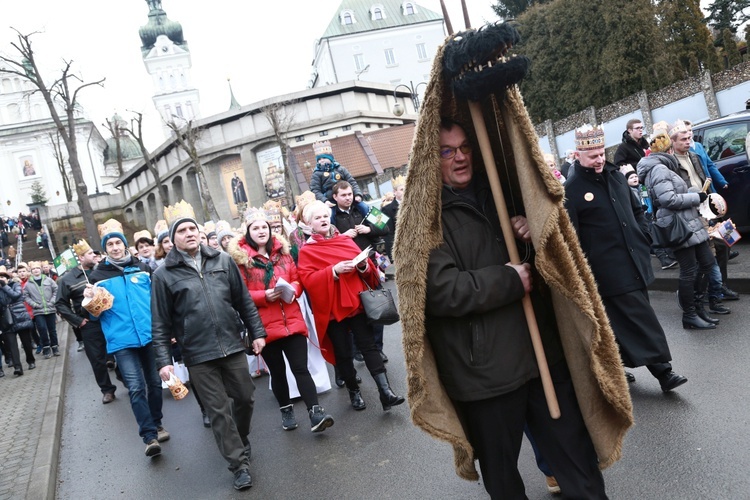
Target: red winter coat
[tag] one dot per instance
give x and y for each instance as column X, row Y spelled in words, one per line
column 279, row 318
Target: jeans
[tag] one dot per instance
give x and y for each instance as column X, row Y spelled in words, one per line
column 138, row 368
column 46, row 324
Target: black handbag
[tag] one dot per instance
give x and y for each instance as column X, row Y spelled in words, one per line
column 380, row 308
column 672, row 235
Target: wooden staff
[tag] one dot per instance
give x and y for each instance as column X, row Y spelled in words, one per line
column 510, row 242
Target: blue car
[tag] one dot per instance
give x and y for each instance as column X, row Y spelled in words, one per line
column 724, row 140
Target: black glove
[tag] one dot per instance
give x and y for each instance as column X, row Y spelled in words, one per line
column 703, row 196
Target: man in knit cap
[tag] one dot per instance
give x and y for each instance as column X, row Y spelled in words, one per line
column 203, row 324
column 127, row 327
column 69, row 299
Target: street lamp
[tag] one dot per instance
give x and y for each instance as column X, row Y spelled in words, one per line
column 398, row 108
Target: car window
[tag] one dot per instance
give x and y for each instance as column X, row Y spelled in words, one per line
column 725, row 141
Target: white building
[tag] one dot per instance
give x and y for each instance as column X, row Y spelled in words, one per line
column 27, row 152
column 167, row 59
column 384, row 41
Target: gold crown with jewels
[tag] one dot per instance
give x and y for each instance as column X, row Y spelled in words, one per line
column 180, row 210
column 589, row 137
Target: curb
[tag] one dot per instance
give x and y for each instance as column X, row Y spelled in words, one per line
column 44, row 470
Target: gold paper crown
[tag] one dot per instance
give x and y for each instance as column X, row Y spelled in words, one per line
column 109, row 227
column 398, row 181
column 223, row 226
column 660, row 143
column 81, row 248
column 677, row 127
column 661, row 126
column 141, row 234
column 161, row 227
column 322, row 148
column 254, row 214
column 302, row 201
column 210, row 227
column 589, row 137
column 180, row 210
column 34, row 263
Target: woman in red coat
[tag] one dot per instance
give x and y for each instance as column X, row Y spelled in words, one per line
column 265, row 264
column 333, row 282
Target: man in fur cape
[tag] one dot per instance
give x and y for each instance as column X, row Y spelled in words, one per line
column 560, row 266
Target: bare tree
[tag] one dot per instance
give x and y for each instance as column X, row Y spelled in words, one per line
column 137, row 134
column 187, row 138
column 114, row 129
column 280, row 116
column 57, row 153
column 63, row 93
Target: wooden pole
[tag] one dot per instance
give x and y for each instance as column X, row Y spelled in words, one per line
column 510, row 242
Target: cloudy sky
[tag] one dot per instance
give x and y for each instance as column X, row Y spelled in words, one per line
column 265, row 47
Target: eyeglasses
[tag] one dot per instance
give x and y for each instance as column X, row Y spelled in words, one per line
column 448, row 152
column 637, row 128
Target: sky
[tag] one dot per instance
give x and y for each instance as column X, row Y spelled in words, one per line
column 265, row 47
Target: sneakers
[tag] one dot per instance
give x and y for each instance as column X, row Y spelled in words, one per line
column 55, row 351
column 110, row 364
column 319, row 420
column 358, row 357
column 668, row 263
column 206, row 420
column 80, row 346
column 728, row 294
column 47, row 353
column 161, row 434
column 153, row 448
column 38, row 349
column 552, row 485
column 288, row 421
column 32, row 366
column 242, row 479
column 715, row 306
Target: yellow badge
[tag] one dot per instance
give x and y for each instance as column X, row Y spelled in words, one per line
column 326, row 174
column 134, row 279
column 588, row 196
column 338, row 177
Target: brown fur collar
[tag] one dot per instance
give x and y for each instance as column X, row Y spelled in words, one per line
column 588, row 341
column 241, row 258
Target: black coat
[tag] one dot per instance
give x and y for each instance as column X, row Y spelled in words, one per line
column 391, row 210
column 611, row 228
column 70, row 296
column 629, row 151
column 346, row 221
column 11, row 296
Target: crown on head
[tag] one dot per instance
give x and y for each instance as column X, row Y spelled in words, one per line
column 34, row 263
column 255, row 214
column 589, row 137
column 109, row 227
column 322, row 148
column 161, row 227
column 677, row 127
column 81, row 248
column 222, row 226
column 398, row 181
column 209, row 227
column 660, row 143
column 180, row 210
column 141, row 234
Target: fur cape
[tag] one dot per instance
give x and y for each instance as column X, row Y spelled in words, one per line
column 590, row 349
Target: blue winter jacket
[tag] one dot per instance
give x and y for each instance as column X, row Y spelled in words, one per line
column 128, row 323
column 709, row 168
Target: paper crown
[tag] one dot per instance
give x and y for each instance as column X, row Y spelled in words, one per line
column 255, row 214
column 589, row 137
column 677, row 127
column 322, row 148
column 161, row 227
column 273, row 210
column 660, row 143
column 662, row 127
column 109, row 227
column 223, row 226
column 399, row 181
column 34, row 263
column 180, row 210
column 141, row 234
column 81, row 248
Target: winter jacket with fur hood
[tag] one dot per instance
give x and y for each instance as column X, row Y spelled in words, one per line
column 279, row 318
column 670, row 196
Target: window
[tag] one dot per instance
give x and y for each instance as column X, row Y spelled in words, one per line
column 178, row 110
column 299, row 138
column 347, row 17
column 390, row 58
column 408, row 9
column 323, row 133
column 421, row 52
column 346, row 127
column 359, row 62
column 377, row 14
column 725, row 141
column 367, row 125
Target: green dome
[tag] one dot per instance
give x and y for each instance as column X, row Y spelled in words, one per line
column 129, row 150
column 159, row 24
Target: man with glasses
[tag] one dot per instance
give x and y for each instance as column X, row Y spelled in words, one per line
column 633, row 146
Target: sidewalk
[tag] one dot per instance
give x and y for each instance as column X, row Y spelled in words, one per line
column 31, row 408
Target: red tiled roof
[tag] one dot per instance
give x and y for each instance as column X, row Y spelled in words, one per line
column 391, row 147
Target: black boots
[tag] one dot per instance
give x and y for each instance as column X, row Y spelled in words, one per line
column 355, row 395
column 701, row 312
column 387, row 397
column 690, row 318
column 715, row 306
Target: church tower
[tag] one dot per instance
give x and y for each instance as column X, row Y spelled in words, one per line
column 167, row 58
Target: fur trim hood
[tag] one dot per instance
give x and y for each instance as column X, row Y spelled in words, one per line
column 242, row 258
column 590, row 349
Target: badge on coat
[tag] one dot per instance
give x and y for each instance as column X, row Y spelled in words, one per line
column 588, row 196
column 338, row 177
column 134, row 279
column 326, row 174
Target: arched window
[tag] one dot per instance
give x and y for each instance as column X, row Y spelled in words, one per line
column 347, row 18
column 408, row 9
column 377, row 14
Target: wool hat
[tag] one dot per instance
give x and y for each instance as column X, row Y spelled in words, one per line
column 323, row 150
column 161, row 230
column 111, row 229
column 627, row 170
column 178, row 214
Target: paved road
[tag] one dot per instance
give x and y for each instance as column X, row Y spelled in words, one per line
column 688, row 445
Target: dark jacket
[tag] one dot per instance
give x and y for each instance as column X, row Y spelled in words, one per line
column 669, row 195
column 346, row 221
column 11, row 295
column 474, row 314
column 391, row 210
column 198, row 309
column 611, row 228
column 323, row 180
column 629, row 151
column 70, row 296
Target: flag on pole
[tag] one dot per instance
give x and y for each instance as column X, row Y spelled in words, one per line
column 66, row 261
column 377, row 218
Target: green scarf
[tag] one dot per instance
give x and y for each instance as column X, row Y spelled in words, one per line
column 268, row 267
